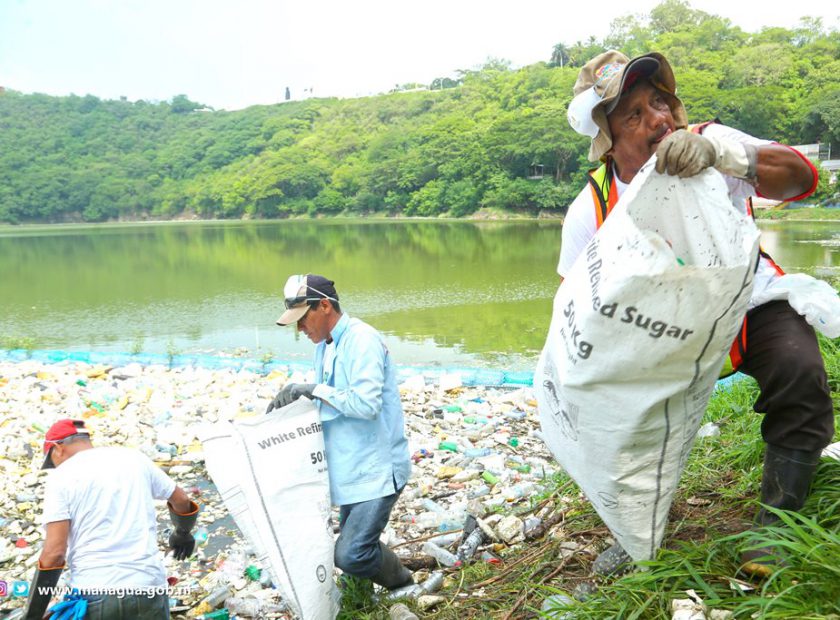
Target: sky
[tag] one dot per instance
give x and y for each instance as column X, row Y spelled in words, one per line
column 230, row 54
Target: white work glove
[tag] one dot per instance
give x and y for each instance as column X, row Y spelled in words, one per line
column 686, row 154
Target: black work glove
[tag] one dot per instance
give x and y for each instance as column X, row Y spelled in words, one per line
column 181, row 540
column 290, row 394
column 182, row 544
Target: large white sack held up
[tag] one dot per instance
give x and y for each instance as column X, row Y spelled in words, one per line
column 640, row 329
column 271, row 472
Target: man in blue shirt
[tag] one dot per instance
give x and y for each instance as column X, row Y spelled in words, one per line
column 364, row 429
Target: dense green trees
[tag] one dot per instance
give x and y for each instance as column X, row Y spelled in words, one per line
column 492, row 138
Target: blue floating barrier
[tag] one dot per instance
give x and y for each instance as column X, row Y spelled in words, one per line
column 469, row 376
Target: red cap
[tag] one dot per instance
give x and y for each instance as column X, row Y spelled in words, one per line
column 57, row 433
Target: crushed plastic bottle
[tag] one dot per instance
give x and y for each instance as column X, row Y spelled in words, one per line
column 531, row 523
column 467, row 549
column 250, row 607
column 708, row 430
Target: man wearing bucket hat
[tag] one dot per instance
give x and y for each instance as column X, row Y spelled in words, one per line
column 364, row 429
column 100, row 519
column 630, row 110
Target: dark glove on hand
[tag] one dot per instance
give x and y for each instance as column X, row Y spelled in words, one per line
column 290, row 394
column 182, row 544
column 685, row 154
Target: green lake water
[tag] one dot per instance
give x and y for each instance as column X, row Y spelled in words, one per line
column 444, row 293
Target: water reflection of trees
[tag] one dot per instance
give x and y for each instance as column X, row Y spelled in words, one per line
column 196, row 261
column 484, row 287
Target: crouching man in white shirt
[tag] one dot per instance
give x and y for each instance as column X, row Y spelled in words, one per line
column 100, row 519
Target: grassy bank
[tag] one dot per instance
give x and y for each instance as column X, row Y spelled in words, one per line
column 714, row 505
column 804, row 214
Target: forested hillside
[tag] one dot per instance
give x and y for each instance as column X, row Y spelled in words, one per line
column 470, row 142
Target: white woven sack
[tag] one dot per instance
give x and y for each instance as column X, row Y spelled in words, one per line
column 271, row 472
column 640, row 329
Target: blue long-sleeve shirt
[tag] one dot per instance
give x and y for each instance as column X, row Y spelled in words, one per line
column 364, row 428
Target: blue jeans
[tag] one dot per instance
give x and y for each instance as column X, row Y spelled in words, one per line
column 357, row 548
column 129, row 607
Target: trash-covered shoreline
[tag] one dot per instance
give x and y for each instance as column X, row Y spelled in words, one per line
column 474, row 449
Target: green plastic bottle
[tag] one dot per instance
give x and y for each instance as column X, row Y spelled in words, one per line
column 448, row 445
column 219, row 614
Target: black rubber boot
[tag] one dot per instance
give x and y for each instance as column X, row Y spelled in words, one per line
column 785, row 484
column 392, row 574
column 613, row 562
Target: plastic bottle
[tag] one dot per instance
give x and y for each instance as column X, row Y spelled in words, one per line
column 519, row 491
column 451, row 446
column 477, row 452
column 168, row 448
column 201, row 535
column 219, row 614
column 443, row 556
column 489, row 478
column 433, row 583
column 427, row 520
column 554, row 603
column 479, row 491
column 531, row 523
column 250, row 607
column 411, row 591
column 449, row 524
column 401, row 612
column 444, row 540
column 432, row 506
column 218, row 596
column 468, row 548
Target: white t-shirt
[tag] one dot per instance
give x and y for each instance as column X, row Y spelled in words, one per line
column 107, row 494
column 579, row 225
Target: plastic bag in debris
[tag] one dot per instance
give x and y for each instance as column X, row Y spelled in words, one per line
column 814, row 299
column 640, row 330
column 272, row 476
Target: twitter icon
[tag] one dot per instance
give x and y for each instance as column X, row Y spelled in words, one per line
column 20, row 588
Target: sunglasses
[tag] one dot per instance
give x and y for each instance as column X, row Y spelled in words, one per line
column 58, row 441
column 294, row 302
